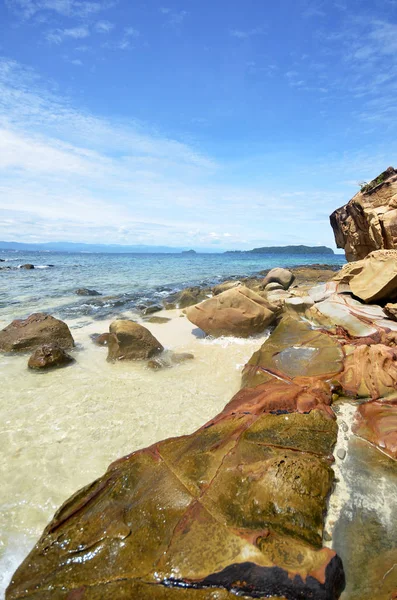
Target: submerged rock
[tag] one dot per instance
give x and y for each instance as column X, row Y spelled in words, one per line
column 87, row 292
column 158, row 320
column 28, row 266
column 130, row 341
column 153, row 308
column 236, row 506
column 169, row 359
column 238, row 311
column 27, row 334
column 49, row 356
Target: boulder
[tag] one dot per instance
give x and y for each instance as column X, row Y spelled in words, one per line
column 377, row 277
column 28, row 266
column 223, row 287
column 273, row 286
column 87, row 292
column 235, row 509
column 368, row 221
column 187, row 297
column 131, row 341
column 238, row 311
column 279, row 275
column 27, row 334
column 391, row 311
column 49, row 356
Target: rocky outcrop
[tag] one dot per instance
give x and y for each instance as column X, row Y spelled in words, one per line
column 236, row 507
column 238, row 311
column 49, row 356
column 27, row 334
column 225, row 286
column 130, row 341
column 369, row 220
column 281, row 276
column 377, row 279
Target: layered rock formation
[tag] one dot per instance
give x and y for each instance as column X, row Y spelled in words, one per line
column 369, row 220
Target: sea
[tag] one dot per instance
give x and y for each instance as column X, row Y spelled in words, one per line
column 125, row 281
column 59, row 430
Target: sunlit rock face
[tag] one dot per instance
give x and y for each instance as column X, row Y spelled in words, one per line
column 369, row 220
column 377, row 423
column 238, row 505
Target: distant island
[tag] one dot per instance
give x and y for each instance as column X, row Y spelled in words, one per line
column 95, row 248
column 285, row 250
column 189, row 252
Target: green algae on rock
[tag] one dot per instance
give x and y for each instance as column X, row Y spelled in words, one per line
column 224, row 509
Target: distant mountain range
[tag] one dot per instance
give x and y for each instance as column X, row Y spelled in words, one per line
column 103, row 248
column 142, row 249
column 286, row 250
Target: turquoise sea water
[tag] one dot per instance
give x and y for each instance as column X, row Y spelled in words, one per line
column 124, row 280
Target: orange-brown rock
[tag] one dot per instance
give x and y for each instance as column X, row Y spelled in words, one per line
column 27, row 334
column 284, row 277
column 377, row 278
column 370, row 371
column 377, row 423
column 294, row 349
column 238, row 311
column 235, row 508
column 130, row 341
column 369, row 220
column 49, row 356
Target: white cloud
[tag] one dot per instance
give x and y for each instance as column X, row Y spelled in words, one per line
column 69, row 8
column 131, row 31
column 103, row 26
column 174, row 17
column 57, row 36
column 245, row 34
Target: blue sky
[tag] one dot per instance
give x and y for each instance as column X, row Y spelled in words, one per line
column 216, row 124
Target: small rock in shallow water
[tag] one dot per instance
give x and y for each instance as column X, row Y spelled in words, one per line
column 27, row 267
column 148, row 310
column 100, row 339
column 341, row 453
column 169, row 359
column 49, row 356
column 27, row 334
column 87, row 292
column 130, row 341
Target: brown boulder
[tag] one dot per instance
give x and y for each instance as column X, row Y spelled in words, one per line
column 27, row 334
column 369, row 220
column 236, row 506
column 279, row 275
column 27, row 267
column 49, row 356
column 377, row 277
column 131, row 341
column 239, row 311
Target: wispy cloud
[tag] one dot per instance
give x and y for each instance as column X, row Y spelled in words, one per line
column 103, row 26
column 245, row 34
column 57, row 36
column 69, row 8
column 174, row 17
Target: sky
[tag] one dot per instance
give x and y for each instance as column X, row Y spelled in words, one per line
column 226, row 124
